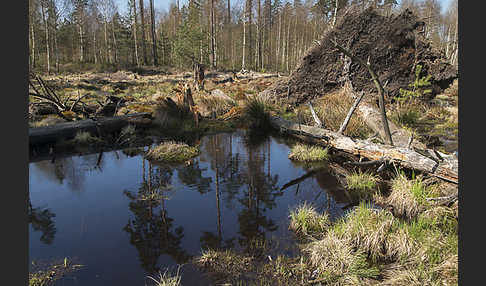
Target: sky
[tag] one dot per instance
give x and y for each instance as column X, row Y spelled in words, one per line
column 163, row 5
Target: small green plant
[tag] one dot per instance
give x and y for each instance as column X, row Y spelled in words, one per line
column 305, row 220
column 302, row 152
column 418, row 86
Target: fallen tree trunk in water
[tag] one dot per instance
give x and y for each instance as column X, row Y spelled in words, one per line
column 100, row 126
column 423, row 160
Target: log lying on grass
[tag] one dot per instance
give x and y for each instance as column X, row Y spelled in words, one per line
column 99, row 127
column 424, row 160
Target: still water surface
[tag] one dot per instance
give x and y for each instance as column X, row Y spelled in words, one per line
column 93, row 210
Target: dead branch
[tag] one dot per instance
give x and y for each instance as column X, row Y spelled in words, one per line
column 378, row 85
column 350, row 113
column 314, row 115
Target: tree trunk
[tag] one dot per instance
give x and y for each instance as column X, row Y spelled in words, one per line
column 115, row 55
column 244, row 43
column 135, row 31
column 108, row 49
column 81, row 51
column 213, row 53
column 154, row 40
column 33, row 45
column 142, row 18
column 44, row 19
column 94, row 48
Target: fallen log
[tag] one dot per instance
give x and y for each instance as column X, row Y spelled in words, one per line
column 67, row 130
column 446, row 169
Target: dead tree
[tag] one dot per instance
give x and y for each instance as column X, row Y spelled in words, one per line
column 198, row 75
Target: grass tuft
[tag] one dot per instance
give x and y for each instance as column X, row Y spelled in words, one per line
column 302, row 152
column 361, row 185
column 166, row 279
column 172, row 152
column 257, row 115
column 408, row 197
column 305, row 220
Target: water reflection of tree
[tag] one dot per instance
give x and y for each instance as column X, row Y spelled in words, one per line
column 70, row 170
column 41, row 220
column 260, row 195
column 248, row 184
column 151, row 231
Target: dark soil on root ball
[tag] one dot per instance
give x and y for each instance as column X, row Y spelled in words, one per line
column 394, row 45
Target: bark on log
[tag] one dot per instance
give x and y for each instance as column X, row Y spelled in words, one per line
column 49, row 134
column 446, row 169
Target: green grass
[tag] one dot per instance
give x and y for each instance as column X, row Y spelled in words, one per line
column 172, row 152
column 361, row 185
column 307, row 153
column 305, row 220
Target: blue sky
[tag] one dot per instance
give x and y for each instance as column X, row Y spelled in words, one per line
column 164, row 4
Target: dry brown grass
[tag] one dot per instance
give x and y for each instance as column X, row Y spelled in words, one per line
column 408, row 197
column 172, row 152
column 337, row 262
column 367, row 229
column 332, row 109
column 209, row 104
column 48, row 121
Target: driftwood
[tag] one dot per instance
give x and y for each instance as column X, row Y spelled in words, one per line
column 67, row 130
column 446, row 169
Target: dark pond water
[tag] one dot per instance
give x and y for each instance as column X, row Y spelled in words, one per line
column 93, row 210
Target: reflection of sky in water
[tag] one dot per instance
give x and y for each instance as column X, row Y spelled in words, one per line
column 92, row 210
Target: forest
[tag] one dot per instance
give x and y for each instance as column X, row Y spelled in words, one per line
column 106, row 35
column 244, row 142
